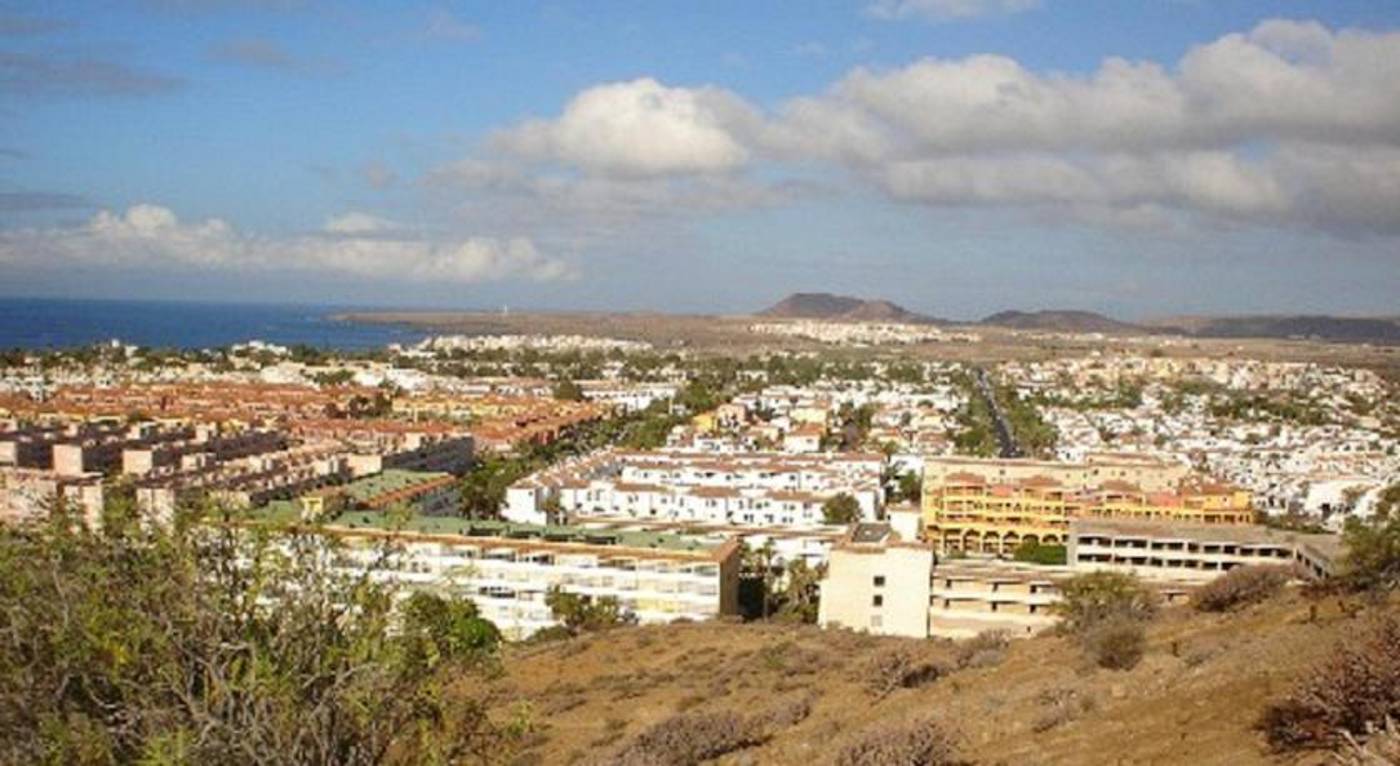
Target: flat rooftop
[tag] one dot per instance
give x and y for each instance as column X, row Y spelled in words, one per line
column 1247, row 534
column 478, row 530
column 390, row 480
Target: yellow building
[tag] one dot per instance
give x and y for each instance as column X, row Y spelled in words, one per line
column 967, row 511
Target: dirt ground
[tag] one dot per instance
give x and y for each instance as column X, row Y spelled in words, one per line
column 1194, row 698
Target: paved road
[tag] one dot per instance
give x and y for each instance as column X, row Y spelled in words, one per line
column 1005, row 437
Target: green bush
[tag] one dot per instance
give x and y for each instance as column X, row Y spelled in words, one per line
column 1372, row 559
column 1032, row 552
column 841, row 509
column 1090, row 599
column 222, row 645
column 584, row 614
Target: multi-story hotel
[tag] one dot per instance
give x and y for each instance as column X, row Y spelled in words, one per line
column 994, row 506
column 508, row 569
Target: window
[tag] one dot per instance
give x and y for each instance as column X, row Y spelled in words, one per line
column 879, row 581
column 877, row 600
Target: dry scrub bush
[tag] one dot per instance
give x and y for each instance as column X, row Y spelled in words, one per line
column 691, row 738
column 1380, row 748
column 898, row 668
column 986, row 649
column 1063, row 706
column 782, row 715
column 920, row 743
column 1116, row 644
column 790, row 659
column 685, row 739
column 1241, row 586
column 1354, row 690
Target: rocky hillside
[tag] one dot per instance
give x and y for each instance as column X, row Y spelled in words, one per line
column 774, row 694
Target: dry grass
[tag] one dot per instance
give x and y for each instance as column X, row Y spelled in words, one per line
column 808, row 689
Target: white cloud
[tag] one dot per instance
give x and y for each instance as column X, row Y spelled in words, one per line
column 940, row 10
column 358, row 223
column 355, row 244
column 1288, row 123
column 639, row 128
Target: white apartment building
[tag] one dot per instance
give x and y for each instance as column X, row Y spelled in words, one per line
column 877, row 582
column 508, row 569
column 754, row 489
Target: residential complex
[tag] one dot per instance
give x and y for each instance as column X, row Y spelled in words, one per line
column 507, row 570
column 240, row 445
column 994, row 506
column 746, row 489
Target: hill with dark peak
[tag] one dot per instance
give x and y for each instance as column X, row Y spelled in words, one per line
column 1059, row 321
column 840, row 308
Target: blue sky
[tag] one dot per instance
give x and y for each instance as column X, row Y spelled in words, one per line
column 958, row 156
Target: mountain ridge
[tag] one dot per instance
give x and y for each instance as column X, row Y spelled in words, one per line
column 844, row 308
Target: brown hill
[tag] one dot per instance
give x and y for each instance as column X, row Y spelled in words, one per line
column 840, row 308
column 1060, row 321
column 1194, row 698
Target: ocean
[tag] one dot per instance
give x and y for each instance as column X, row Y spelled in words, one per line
column 36, row 323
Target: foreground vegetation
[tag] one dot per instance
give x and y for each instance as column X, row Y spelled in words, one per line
column 214, row 645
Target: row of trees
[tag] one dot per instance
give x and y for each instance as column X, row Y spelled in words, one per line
column 767, row 591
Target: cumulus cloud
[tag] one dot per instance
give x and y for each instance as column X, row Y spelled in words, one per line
column 638, row 128
column 356, row 244
column 1289, row 122
column 939, row 10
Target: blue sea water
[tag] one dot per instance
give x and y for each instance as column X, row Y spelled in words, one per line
column 35, row 323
